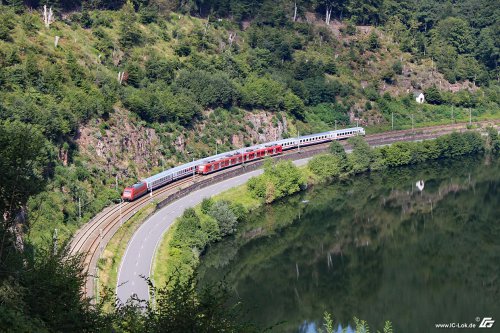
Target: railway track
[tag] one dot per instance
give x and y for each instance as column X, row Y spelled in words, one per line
column 92, row 238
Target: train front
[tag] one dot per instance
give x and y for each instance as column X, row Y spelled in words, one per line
column 128, row 194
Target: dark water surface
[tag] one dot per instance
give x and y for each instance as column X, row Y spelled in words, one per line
column 375, row 247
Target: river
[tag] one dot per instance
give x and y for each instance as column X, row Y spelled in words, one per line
column 376, row 247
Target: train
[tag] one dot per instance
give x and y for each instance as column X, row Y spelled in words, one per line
column 230, row 159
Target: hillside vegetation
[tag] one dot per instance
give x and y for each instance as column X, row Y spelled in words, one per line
column 96, row 94
column 227, row 74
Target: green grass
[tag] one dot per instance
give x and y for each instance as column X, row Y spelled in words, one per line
column 162, row 256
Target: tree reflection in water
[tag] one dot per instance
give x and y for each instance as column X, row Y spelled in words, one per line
column 374, row 247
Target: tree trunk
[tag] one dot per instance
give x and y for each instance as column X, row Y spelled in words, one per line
column 328, row 14
column 295, row 12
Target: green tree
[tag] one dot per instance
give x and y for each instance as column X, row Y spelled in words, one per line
column 433, row 95
column 209, row 89
column 487, row 50
column 457, row 33
column 206, row 205
column 130, row 34
column 135, row 74
column 262, row 92
column 23, row 159
column 221, row 211
column 148, row 13
column 361, row 156
column 373, row 41
column 325, row 166
column 493, row 140
column 294, row 105
column 160, row 69
column 278, row 180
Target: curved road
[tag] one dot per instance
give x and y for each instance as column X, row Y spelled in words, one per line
column 138, row 258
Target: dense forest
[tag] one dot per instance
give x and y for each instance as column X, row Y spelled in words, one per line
column 198, row 70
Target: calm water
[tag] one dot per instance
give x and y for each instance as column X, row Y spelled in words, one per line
column 375, row 247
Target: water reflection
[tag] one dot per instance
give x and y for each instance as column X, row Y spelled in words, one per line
column 376, row 247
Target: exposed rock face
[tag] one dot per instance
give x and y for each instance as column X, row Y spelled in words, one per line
column 261, row 127
column 124, row 148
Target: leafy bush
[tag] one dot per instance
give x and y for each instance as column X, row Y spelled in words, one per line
column 277, row 181
column 188, row 232
column 209, row 89
column 183, row 50
column 397, row 67
column 361, row 156
column 221, row 211
column 160, row 69
column 181, row 306
column 262, row 92
column 325, row 166
column 493, row 140
column 373, row 41
column 433, row 96
column 148, row 14
column 206, row 205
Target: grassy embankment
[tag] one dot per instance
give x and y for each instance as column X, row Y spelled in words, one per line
column 236, row 195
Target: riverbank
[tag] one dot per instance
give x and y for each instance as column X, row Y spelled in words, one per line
column 201, row 226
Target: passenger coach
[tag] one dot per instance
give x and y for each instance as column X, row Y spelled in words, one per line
column 232, row 158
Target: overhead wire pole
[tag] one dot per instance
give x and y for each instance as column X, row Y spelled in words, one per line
column 298, row 141
column 121, row 220
column 392, row 120
column 470, row 116
column 194, row 169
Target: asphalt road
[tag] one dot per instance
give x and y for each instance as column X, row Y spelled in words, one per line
column 138, row 259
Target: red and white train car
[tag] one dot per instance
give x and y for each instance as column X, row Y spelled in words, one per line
column 230, row 160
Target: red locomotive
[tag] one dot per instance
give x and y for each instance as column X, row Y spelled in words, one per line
column 134, row 191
